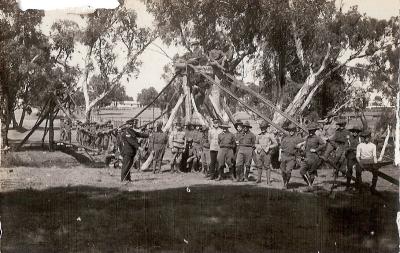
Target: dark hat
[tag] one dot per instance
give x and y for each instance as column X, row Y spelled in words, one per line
column 341, row 122
column 354, row 128
column 365, row 133
column 247, row 124
column 132, row 121
column 238, row 122
column 264, row 124
column 312, row 126
column 224, row 125
column 215, row 121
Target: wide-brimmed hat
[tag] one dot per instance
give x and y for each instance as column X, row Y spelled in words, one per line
column 247, row 124
column 312, row 126
column 354, row 128
column 341, row 122
column 238, row 122
column 365, row 133
column 264, row 124
column 224, row 125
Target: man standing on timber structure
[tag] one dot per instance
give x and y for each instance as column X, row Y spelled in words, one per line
column 178, row 146
column 226, row 142
column 246, row 147
column 130, row 145
column 158, row 143
column 265, row 143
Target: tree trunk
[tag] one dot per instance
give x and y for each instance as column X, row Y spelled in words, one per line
column 14, row 120
column 3, row 116
column 51, row 129
column 45, row 131
column 215, row 98
column 188, row 103
column 298, row 101
column 88, row 113
column 174, row 111
column 21, row 120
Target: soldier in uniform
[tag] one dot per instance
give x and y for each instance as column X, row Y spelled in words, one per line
column 213, row 140
column 62, row 130
column 338, row 143
column 226, row 143
column 79, row 132
column 265, row 143
column 178, row 146
column 313, row 145
column 158, row 143
column 130, row 145
column 287, row 153
column 246, row 146
column 196, row 149
column 205, row 154
column 352, row 143
column 68, row 128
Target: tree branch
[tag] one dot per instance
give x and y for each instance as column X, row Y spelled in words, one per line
column 323, row 65
column 299, row 45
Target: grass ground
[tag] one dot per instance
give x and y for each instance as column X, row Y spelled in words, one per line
column 52, row 202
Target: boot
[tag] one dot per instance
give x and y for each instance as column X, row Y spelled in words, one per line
column 288, row 175
column 284, row 179
column 239, row 173
column 246, row 174
column 259, row 176
column 306, row 179
column 232, row 172
column 269, row 177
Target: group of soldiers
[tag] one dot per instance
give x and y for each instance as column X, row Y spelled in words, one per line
column 94, row 135
column 220, row 153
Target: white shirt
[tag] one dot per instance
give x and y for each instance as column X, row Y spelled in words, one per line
column 213, row 138
column 366, row 151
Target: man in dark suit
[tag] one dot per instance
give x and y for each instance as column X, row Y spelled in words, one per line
column 130, row 145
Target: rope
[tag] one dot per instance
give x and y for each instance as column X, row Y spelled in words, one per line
column 240, row 101
column 266, row 101
column 158, row 95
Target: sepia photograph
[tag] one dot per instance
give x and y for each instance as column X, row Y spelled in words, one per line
column 200, row 126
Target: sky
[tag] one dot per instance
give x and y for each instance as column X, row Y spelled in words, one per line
column 153, row 60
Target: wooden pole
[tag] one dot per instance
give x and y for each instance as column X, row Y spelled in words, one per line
column 38, row 122
column 173, row 113
column 397, row 130
column 384, row 144
column 188, row 103
column 261, row 115
column 237, row 84
column 158, row 95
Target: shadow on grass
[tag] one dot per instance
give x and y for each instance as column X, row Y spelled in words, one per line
column 206, row 219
